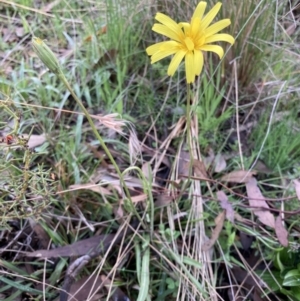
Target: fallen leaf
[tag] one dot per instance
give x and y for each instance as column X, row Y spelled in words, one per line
column 297, row 188
column 94, row 245
column 184, row 163
column 19, row 31
column 138, row 198
column 163, row 200
column 119, row 213
column 291, row 28
column 85, row 287
column 48, row 8
column 219, row 221
column 238, row 176
column 36, row 140
column 78, row 248
column 200, row 169
column 226, row 205
column 256, row 199
column 91, row 186
column 109, row 56
column 261, row 167
column 118, row 294
column 249, row 279
column 220, row 163
column 147, row 171
column 281, row 232
column 246, row 240
column 210, row 159
column 43, row 237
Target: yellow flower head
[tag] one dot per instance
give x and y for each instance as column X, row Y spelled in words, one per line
column 189, row 40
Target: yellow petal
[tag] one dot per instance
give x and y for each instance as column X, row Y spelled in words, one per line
column 170, row 23
column 170, row 46
column 218, row 26
column 198, row 61
column 186, row 26
column 189, row 43
column 199, row 11
column 166, row 31
column 195, row 27
column 210, row 15
column 213, row 48
column 220, row 37
column 154, row 48
column 189, row 67
column 176, row 60
column 161, row 55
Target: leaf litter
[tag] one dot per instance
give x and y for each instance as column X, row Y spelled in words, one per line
column 257, row 200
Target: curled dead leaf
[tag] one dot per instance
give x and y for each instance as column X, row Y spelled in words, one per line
column 226, row 205
column 238, row 176
column 200, row 169
column 220, row 163
column 219, row 221
column 256, row 199
column 281, row 232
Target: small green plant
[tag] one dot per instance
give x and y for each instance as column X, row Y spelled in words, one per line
column 282, row 144
column 26, row 187
column 208, row 110
column 284, row 276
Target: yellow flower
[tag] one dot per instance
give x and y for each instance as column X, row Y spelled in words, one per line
column 189, row 40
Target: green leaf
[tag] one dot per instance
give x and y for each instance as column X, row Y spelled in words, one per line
column 296, row 292
column 292, row 278
column 273, row 280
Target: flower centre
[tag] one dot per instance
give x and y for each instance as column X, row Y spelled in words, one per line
column 189, row 43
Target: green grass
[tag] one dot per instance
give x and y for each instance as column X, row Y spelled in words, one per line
column 244, row 111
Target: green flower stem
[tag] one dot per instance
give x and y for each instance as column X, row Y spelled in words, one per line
column 51, row 62
column 95, row 131
column 188, row 125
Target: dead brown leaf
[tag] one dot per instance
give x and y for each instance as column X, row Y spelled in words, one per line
column 36, row 140
column 281, row 232
column 147, row 170
column 246, row 240
column 85, row 287
column 44, row 239
column 184, row 163
column 94, row 245
column 238, row 176
column 119, row 213
column 248, row 279
column 47, row 8
column 19, row 31
column 91, row 186
column 200, row 169
column 256, row 199
column 226, row 205
column 82, row 247
column 163, row 200
column 220, row 163
column 219, row 221
column 210, row 159
column 118, row 294
column 138, row 198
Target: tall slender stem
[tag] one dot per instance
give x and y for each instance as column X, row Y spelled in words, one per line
column 188, row 125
